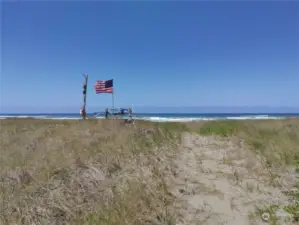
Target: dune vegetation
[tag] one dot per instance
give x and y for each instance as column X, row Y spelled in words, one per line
column 104, row 172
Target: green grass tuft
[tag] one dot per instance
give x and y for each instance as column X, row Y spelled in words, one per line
column 221, row 128
column 277, row 141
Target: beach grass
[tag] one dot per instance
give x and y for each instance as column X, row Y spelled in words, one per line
column 84, row 172
column 276, row 140
column 108, row 173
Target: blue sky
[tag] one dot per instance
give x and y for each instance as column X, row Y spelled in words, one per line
column 159, row 53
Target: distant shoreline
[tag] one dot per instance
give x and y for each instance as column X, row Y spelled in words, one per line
column 161, row 117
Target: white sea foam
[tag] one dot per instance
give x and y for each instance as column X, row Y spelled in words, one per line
column 22, row 117
column 63, row 118
column 4, row 117
column 188, row 119
column 154, row 118
column 100, row 117
column 173, row 119
column 257, row 117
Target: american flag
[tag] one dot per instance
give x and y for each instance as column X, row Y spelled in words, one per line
column 104, row 86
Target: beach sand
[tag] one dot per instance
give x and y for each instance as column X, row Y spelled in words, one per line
column 222, row 183
column 105, row 172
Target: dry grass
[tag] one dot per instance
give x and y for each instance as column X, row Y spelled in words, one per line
column 103, row 172
column 84, row 172
column 276, row 144
column 276, row 140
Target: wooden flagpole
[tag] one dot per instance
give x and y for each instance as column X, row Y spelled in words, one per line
column 83, row 109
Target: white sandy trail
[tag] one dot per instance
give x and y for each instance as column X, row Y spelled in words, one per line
column 217, row 182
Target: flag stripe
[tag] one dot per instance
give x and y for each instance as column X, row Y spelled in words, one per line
column 104, row 86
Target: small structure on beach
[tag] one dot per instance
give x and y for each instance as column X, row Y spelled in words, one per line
column 102, row 87
column 121, row 113
column 106, row 86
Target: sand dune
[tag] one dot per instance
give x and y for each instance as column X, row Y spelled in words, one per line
column 218, row 182
column 107, row 173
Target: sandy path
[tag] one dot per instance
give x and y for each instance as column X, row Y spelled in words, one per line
column 216, row 182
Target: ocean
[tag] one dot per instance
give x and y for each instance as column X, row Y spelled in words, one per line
column 164, row 117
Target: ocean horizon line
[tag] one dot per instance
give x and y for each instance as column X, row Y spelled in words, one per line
column 158, row 117
column 156, row 109
column 155, row 113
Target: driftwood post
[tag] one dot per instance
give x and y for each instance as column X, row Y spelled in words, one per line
column 83, row 109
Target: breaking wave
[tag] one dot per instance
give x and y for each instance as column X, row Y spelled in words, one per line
column 156, row 118
column 188, row 119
